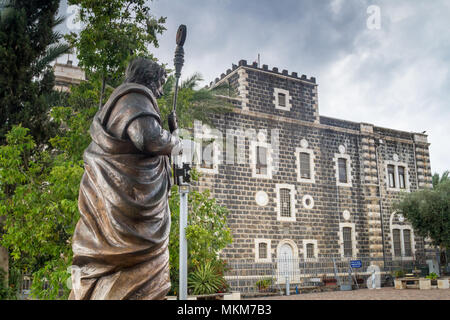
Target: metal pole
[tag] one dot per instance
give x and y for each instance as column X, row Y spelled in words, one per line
column 184, row 190
column 288, row 290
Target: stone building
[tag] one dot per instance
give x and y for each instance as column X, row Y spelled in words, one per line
column 304, row 186
column 66, row 75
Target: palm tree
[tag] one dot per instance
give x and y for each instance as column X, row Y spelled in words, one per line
column 436, row 180
column 28, row 45
column 194, row 104
column 54, row 50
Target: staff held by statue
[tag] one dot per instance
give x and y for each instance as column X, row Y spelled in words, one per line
column 181, row 174
column 178, row 62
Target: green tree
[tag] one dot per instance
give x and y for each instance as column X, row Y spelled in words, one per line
column 207, row 233
column 436, row 179
column 39, row 194
column 112, row 32
column 428, row 211
column 27, row 46
column 193, row 103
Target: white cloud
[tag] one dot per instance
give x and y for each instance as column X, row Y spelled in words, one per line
column 396, row 77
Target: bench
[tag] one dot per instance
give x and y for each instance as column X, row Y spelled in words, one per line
column 405, row 283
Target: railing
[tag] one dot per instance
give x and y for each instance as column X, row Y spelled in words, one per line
column 248, row 276
column 25, row 286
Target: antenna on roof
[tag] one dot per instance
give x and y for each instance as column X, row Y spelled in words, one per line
column 258, row 61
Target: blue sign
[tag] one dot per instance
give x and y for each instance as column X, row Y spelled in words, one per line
column 355, row 263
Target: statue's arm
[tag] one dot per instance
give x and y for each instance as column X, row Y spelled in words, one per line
column 148, row 136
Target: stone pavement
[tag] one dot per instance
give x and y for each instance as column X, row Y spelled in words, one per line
column 366, row 294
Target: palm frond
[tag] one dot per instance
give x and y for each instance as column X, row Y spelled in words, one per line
column 58, row 21
column 192, row 81
column 55, row 37
column 51, row 54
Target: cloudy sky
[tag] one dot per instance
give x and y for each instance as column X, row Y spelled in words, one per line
column 395, row 76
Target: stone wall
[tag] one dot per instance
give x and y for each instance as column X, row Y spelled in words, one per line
column 364, row 204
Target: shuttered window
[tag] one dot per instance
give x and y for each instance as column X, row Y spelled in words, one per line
column 401, row 177
column 285, row 197
column 342, row 164
column 207, row 156
column 305, row 165
column 407, row 242
column 310, row 250
column 348, row 246
column 281, row 99
column 391, row 176
column 261, row 160
column 262, row 250
column 397, row 244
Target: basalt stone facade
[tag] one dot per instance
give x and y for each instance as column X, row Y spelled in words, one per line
column 301, row 185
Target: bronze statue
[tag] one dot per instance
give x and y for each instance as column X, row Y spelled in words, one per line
column 120, row 244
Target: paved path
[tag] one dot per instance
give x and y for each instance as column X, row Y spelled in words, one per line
column 366, row 294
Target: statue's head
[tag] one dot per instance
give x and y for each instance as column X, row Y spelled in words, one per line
column 148, row 73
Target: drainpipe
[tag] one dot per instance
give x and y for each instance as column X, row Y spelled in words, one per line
column 415, row 164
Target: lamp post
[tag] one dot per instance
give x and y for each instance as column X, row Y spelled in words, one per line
column 183, row 178
column 184, row 191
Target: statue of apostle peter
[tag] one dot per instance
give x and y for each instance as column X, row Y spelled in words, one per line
column 120, row 244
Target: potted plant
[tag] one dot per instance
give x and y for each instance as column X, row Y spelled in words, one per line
column 205, row 280
column 263, row 284
column 399, row 274
column 433, row 277
column 398, row 284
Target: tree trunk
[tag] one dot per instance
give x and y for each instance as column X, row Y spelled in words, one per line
column 442, row 260
column 102, row 93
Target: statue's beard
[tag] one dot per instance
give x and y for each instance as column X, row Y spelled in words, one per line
column 158, row 93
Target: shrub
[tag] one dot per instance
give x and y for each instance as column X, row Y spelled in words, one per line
column 263, row 284
column 432, row 276
column 205, row 279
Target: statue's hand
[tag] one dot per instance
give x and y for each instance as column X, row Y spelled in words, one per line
column 173, row 125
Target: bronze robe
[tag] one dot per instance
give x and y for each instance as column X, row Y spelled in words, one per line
column 120, row 244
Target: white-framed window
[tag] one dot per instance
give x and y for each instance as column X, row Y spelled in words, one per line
column 402, row 242
column 343, row 170
column 207, row 148
column 347, row 238
column 397, row 176
column 305, row 165
column 402, row 238
column 261, row 159
column 263, row 250
column 285, row 202
column 310, row 249
column 207, row 155
column 282, row 99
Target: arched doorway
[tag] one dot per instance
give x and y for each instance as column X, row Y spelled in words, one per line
column 287, row 261
column 285, row 257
